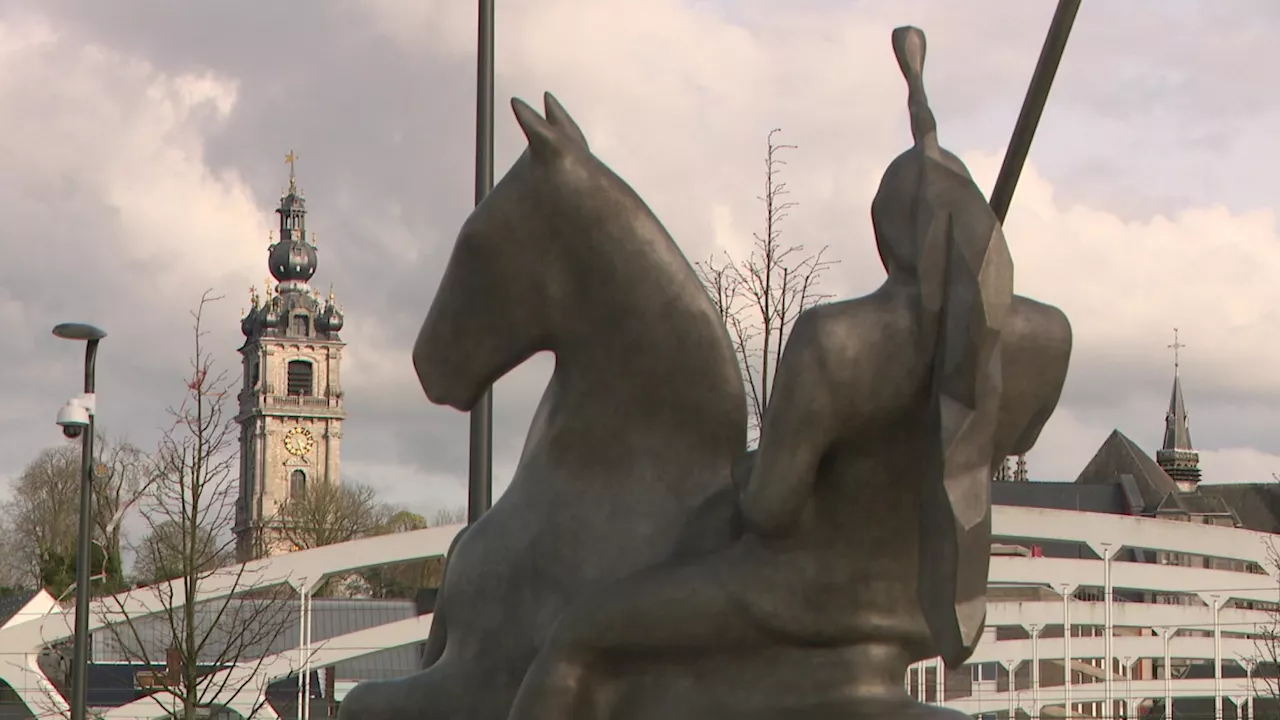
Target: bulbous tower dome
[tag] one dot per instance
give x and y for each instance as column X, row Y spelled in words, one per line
column 289, row 307
column 292, row 258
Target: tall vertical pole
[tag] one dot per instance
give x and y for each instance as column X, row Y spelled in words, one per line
column 480, row 474
column 80, row 656
column 1055, row 43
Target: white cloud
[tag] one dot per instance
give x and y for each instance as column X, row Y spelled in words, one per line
column 110, row 134
column 1125, row 285
column 133, row 138
column 1239, row 465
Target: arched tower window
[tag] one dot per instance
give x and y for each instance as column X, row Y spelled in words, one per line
column 301, row 325
column 298, row 484
column 301, row 382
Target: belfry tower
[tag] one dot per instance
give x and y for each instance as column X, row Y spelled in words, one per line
column 1177, row 455
column 291, row 408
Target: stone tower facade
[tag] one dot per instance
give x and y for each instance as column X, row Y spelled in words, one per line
column 291, row 405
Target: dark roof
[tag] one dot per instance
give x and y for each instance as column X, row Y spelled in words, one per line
column 1256, row 505
column 1059, row 496
column 1122, row 479
column 11, row 605
column 1118, row 456
column 1203, row 504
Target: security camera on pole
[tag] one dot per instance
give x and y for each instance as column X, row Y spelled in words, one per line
column 76, row 420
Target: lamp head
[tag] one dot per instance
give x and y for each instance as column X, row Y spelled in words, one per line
column 79, row 331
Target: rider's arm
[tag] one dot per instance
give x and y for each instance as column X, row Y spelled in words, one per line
column 797, row 429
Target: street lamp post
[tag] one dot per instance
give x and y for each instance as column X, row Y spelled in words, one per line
column 72, row 426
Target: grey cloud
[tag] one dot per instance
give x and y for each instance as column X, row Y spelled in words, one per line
column 1142, row 120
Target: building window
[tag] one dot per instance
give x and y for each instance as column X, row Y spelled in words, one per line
column 298, row 484
column 301, row 325
column 300, row 378
column 984, row 672
column 253, row 374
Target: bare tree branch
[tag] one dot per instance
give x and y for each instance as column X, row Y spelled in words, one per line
column 760, row 298
column 1264, row 665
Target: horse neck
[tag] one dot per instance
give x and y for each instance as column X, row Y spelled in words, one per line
column 653, row 353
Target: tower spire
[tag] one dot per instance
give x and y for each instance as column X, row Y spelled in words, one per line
column 291, row 159
column 1177, row 455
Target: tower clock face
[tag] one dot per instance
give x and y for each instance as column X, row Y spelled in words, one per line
column 298, row 441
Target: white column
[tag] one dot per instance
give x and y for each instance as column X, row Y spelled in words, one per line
column 306, row 666
column 302, row 644
column 1066, row 650
column 1217, row 659
column 1035, row 672
column 304, row 650
column 1010, row 666
column 1128, row 688
column 1248, row 669
column 941, row 679
column 1168, row 633
column 1108, row 692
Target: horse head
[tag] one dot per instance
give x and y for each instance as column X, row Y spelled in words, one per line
column 504, row 287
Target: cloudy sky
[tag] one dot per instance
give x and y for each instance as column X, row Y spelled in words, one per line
column 142, row 146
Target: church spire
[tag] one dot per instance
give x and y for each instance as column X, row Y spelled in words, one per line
column 1177, row 455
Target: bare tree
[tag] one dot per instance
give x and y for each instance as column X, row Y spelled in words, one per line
column 403, row 580
column 160, row 555
column 123, row 477
column 189, row 508
column 14, row 577
column 760, row 298
column 328, row 513
column 42, row 516
column 1264, row 664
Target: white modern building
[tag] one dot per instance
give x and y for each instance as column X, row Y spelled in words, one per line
column 1167, row 589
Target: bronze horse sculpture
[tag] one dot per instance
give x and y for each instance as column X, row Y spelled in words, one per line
column 633, row 440
column 858, row 540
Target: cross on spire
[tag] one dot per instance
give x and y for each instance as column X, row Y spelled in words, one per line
column 1176, row 346
column 291, row 160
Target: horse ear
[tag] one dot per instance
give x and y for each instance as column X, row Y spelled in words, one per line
column 544, row 140
column 560, row 119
